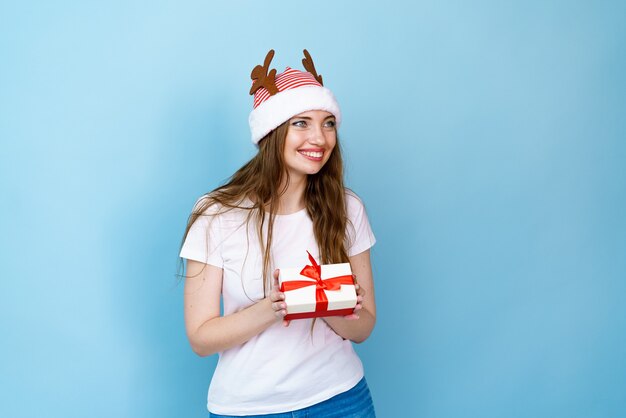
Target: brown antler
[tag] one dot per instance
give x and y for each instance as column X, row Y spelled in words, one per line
column 263, row 78
column 307, row 61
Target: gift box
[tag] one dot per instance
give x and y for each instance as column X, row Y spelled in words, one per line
column 316, row 291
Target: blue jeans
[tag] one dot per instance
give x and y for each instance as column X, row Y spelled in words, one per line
column 354, row 403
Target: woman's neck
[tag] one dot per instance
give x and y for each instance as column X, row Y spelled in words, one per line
column 293, row 199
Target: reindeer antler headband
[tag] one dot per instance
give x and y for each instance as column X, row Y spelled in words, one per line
column 277, row 98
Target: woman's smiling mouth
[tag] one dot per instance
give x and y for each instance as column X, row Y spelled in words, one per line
column 312, row 155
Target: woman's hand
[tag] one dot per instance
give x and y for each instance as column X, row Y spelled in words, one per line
column 365, row 309
column 360, row 297
column 278, row 300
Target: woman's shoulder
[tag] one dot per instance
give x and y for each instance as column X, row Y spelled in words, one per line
column 358, row 230
column 353, row 201
column 207, row 206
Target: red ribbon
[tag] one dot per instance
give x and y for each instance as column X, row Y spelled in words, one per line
column 314, row 271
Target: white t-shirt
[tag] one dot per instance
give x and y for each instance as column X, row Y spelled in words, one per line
column 282, row 368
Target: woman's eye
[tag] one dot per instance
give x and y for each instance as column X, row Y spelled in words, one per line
column 299, row 123
column 330, row 124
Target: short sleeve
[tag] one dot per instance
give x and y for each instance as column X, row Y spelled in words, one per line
column 203, row 241
column 359, row 233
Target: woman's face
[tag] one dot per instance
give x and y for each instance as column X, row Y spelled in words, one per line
column 311, row 137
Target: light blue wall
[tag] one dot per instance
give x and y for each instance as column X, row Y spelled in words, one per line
column 486, row 139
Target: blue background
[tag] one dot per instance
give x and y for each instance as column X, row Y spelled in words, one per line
column 486, row 139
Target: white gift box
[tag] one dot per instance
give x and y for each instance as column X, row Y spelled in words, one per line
column 303, row 302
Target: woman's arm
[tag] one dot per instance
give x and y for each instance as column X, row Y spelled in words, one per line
column 358, row 326
column 208, row 332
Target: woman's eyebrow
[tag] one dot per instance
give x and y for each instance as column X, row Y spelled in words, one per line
column 310, row 118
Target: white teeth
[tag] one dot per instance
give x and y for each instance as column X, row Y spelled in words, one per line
column 312, row 154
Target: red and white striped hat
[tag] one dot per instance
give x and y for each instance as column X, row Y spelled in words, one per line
column 277, row 98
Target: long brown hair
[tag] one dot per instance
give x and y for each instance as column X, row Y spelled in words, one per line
column 259, row 181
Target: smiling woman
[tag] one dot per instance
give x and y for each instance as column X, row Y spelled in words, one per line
column 287, row 200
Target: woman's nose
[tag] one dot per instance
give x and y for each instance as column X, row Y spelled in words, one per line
column 317, row 136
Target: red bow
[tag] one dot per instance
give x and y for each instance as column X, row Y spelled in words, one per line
column 314, row 271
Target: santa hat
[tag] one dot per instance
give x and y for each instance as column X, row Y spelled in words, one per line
column 277, row 98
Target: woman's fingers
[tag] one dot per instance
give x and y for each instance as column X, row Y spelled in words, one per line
column 275, row 294
column 277, row 297
column 278, row 306
column 360, row 293
column 280, row 309
column 359, row 290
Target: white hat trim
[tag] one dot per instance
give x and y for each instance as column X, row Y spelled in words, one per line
column 284, row 105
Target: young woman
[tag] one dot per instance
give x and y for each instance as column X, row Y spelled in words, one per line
column 287, row 200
